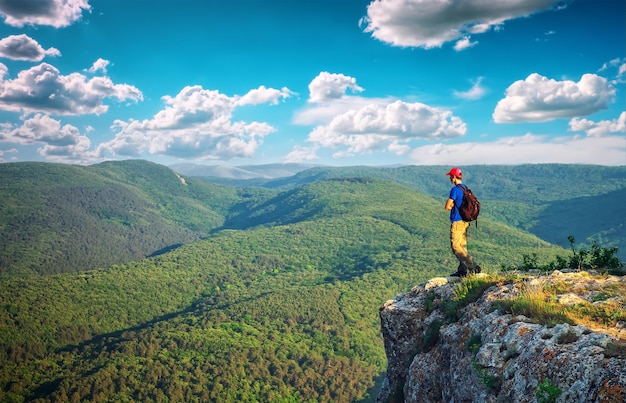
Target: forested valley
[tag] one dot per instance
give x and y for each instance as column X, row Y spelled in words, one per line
column 125, row 281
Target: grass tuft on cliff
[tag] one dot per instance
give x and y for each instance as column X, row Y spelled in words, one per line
column 591, row 300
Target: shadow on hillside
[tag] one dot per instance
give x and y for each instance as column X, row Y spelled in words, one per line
column 585, row 218
column 283, row 209
column 165, row 250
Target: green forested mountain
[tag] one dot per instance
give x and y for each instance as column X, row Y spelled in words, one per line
column 552, row 201
column 58, row 218
column 280, row 304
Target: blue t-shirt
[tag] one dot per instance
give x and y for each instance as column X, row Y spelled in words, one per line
column 456, row 194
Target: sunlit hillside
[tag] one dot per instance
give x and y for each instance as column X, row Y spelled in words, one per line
column 280, row 305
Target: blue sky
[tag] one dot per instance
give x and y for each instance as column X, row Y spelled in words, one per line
column 327, row 82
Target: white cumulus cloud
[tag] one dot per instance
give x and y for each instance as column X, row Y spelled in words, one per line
column 99, row 65
column 301, row 154
column 386, row 127
column 464, row 43
column 431, row 23
column 539, row 99
column 601, row 128
column 43, row 89
column 196, row 123
column 55, row 13
column 63, row 143
column 349, row 125
column 23, row 47
column 328, row 86
column 328, row 98
column 263, row 95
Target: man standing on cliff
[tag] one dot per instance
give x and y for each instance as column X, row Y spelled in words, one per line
column 458, row 227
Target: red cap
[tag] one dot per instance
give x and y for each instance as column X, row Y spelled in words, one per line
column 455, row 172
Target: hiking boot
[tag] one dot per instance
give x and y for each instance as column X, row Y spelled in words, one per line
column 461, row 271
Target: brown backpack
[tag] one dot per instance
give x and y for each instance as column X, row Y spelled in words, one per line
column 470, row 207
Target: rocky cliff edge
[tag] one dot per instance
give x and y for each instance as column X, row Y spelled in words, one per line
column 445, row 345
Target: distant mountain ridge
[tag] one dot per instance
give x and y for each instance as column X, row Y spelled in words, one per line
column 243, row 172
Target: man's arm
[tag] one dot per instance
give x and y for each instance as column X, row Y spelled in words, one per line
column 449, row 204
